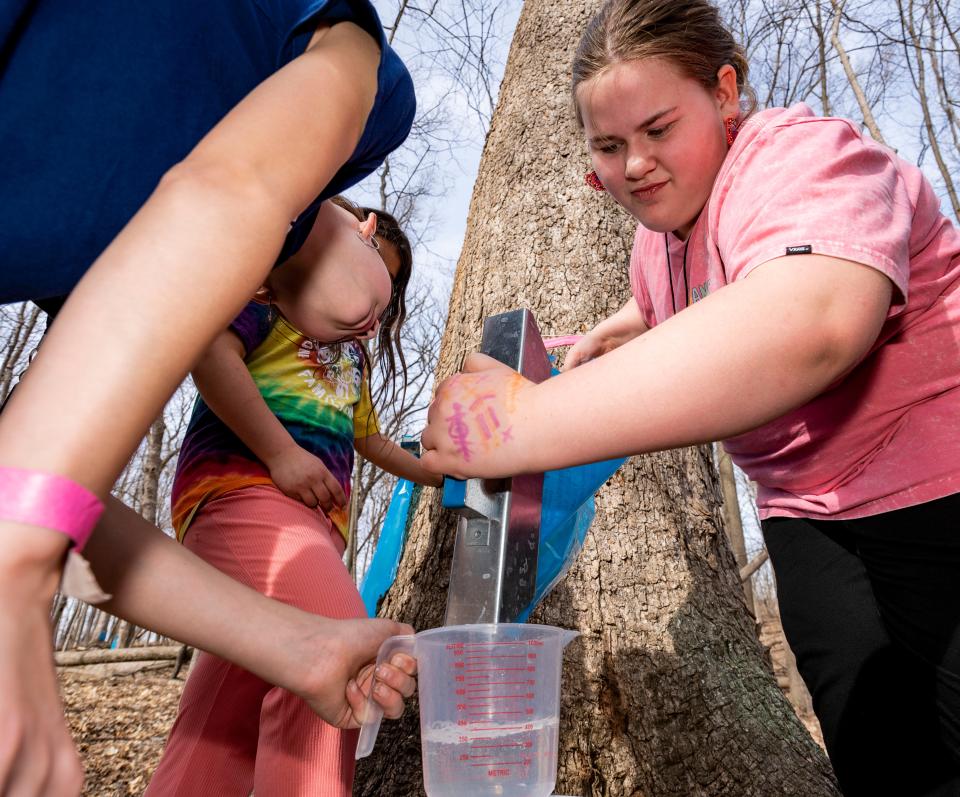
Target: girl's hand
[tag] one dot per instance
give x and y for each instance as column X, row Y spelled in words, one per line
column 301, row 475
column 611, row 333
column 339, row 656
column 392, row 683
column 591, row 345
column 37, row 756
column 475, row 424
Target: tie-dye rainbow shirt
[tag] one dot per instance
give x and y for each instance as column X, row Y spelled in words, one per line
column 320, row 394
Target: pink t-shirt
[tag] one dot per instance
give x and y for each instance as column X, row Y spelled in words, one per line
column 887, row 436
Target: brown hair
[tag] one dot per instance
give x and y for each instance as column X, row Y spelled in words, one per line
column 688, row 33
column 389, row 352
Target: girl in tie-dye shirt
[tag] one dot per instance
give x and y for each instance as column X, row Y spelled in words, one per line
column 262, row 488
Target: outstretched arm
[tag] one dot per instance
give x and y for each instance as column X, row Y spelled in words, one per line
column 789, row 331
column 181, row 596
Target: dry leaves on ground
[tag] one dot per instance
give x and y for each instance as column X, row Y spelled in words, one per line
column 119, row 722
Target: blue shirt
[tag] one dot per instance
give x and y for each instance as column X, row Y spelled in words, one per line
column 98, row 99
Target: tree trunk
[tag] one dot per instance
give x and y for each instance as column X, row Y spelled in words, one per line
column 16, row 344
column 732, row 521
column 150, row 468
column 667, row 691
column 59, row 604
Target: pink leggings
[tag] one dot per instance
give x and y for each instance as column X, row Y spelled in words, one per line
column 235, row 732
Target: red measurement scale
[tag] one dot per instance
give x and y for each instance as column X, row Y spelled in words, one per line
column 489, row 708
column 495, row 693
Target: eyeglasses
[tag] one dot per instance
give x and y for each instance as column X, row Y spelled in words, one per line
column 371, row 241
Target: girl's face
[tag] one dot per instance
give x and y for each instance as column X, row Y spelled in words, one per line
column 657, row 138
column 337, row 286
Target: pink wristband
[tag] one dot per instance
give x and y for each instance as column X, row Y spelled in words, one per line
column 50, row 501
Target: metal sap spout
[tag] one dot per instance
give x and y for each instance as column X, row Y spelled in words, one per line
column 494, row 570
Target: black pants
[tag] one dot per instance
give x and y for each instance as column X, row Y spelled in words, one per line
column 871, row 609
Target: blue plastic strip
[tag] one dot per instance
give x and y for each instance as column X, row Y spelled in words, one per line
column 386, row 559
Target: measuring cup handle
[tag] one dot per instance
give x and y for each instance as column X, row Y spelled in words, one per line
column 374, row 713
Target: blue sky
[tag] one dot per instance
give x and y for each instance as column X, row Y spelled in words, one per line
column 456, row 169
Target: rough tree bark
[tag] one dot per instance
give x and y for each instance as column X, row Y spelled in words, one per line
column 667, row 691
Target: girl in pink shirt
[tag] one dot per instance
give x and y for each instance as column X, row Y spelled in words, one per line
column 795, row 294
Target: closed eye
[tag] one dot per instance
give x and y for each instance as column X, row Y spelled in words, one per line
column 604, row 145
column 659, row 132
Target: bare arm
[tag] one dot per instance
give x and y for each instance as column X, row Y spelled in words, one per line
column 788, row 331
column 227, row 387
column 166, row 588
column 186, row 262
column 172, row 279
column 387, row 455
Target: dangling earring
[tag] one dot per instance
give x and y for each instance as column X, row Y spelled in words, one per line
column 732, row 125
column 591, row 179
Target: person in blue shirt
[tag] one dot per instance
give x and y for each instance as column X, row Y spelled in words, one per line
column 157, row 160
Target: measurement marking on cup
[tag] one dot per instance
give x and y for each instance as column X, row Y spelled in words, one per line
column 488, row 644
column 491, row 713
column 491, row 746
column 502, row 669
column 498, row 656
column 495, row 728
column 528, row 682
column 528, row 696
column 503, row 764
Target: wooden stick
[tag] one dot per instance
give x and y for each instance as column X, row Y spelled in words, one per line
column 753, row 565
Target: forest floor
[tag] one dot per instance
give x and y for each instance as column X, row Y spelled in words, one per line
column 120, row 715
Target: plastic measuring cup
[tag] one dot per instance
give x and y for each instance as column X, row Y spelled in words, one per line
column 489, row 707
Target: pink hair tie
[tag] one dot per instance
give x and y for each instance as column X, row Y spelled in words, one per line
column 49, row 501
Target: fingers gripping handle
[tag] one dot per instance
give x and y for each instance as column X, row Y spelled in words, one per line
column 373, row 714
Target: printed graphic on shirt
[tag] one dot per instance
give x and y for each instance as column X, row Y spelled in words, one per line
column 319, row 393
column 699, row 292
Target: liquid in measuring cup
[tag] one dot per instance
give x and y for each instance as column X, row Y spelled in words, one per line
column 491, row 759
column 489, row 708
column 499, row 736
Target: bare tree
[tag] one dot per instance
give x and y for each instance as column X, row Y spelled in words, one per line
column 915, row 53
column 20, row 330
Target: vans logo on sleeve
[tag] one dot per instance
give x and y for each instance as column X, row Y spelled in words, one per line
column 803, row 249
